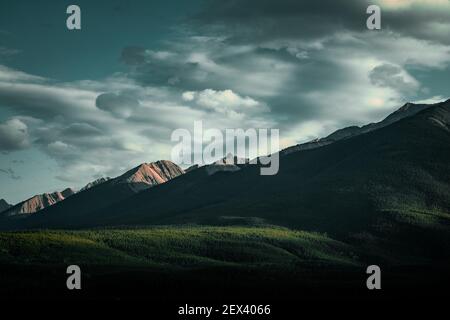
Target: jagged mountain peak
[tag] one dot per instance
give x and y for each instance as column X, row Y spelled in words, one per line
column 147, row 175
column 38, row 202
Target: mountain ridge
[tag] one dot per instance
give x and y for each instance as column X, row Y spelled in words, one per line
column 407, row 110
column 38, row 202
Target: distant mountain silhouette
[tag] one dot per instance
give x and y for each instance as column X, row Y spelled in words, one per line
column 383, row 185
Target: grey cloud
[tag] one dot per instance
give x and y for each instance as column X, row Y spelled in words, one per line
column 250, row 21
column 44, row 101
column 425, row 21
column 13, row 135
column 169, row 72
column 81, row 130
column 71, row 138
column 119, row 104
column 389, row 75
column 199, row 65
column 61, row 149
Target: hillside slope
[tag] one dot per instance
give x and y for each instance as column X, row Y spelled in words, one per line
column 408, row 110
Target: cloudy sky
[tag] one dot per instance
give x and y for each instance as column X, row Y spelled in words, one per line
column 78, row 105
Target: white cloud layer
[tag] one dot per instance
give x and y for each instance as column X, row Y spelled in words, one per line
column 226, row 102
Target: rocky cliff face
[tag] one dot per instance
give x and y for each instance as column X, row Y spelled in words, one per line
column 148, row 175
column 38, row 202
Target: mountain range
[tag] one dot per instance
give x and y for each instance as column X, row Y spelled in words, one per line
column 36, row 203
column 379, row 183
column 137, row 179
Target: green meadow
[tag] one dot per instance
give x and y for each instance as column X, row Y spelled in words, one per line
column 175, row 247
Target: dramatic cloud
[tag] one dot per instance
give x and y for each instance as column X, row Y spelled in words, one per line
column 121, row 105
column 304, row 67
column 13, row 135
column 347, row 79
column 422, row 19
column 388, row 75
column 226, row 102
column 91, row 133
column 249, row 21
